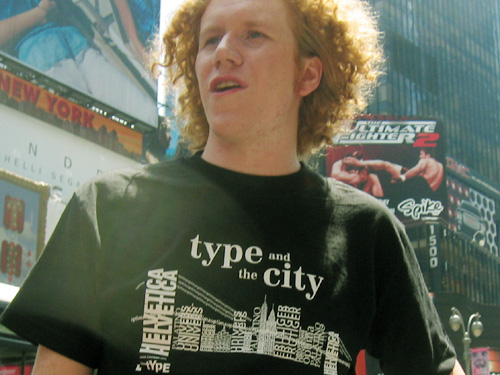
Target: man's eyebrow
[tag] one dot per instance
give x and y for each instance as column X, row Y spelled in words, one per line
column 259, row 23
column 210, row 29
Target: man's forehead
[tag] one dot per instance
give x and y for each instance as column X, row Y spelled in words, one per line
column 211, row 25
column 250, row 13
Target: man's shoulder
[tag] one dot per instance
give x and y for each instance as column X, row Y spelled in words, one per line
column 129, row 181
column 425, row 161
column 346, row 195
column 350, row 204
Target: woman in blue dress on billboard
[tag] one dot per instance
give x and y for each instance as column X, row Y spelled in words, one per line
column 38, row 33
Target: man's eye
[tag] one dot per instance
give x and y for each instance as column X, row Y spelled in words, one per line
column 212, row 40
column 255, row 35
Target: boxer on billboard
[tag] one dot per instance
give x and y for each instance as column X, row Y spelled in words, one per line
column 428, row 168
column 379, row 157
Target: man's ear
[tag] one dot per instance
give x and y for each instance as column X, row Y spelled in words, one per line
column 311, row 73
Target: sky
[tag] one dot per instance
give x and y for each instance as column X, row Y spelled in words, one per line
column 170, row 5
column 167, row 8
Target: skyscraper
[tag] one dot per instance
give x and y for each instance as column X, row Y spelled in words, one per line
column 443, row 61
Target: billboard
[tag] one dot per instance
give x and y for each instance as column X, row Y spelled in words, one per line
column 56, row 110
column 397, row 160
column 15, row 370
column 23, row 206
column 42, row 152
column 485, row 361
column 96, row 47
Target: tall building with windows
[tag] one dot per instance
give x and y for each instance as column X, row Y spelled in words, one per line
column 443, row 61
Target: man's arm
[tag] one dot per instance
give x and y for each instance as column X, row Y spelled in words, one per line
column 373, row 186
column 417, row 169
column 375, row 164
column 48, row 362
column 457, row 370
column 128, row 22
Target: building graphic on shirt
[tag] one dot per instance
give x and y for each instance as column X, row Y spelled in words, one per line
column 271, row 330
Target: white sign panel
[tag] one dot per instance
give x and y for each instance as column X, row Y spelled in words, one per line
column 43, row 152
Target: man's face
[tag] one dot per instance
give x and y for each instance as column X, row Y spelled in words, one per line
column 246, row 69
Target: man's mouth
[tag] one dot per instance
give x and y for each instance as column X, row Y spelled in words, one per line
column 226, row 85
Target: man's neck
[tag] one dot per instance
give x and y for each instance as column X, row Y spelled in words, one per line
column 255, row 160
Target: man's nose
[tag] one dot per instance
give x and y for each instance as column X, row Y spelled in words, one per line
column 227, row 52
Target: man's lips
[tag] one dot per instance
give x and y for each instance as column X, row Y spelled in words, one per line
column 224, row 84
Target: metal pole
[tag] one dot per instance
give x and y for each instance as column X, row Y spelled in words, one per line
column 467, row 356
column 457, row 321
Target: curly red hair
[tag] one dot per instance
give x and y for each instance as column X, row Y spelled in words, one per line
column 342, row 33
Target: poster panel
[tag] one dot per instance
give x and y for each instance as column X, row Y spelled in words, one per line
column 480, row 361
column 15, row 370
column 472, row 214
column 399, row 161
column 42, row 152
column 97, row 47
column 472, row 205
column 23, row 205
column 474, row 179
column 51, row 108
column 494, row 357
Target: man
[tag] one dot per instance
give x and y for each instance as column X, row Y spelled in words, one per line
column 376, row 165
column 427, row 168
column 350, row 170
column 239, row 259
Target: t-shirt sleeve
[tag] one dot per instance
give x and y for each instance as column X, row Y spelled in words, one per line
column 407, row 335
column 56, row 305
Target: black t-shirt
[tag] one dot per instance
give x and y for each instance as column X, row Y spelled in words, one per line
column 186, row 268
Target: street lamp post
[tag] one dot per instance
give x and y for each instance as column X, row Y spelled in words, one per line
column 474, row 325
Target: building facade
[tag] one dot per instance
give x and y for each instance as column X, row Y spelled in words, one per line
column 443, row 61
